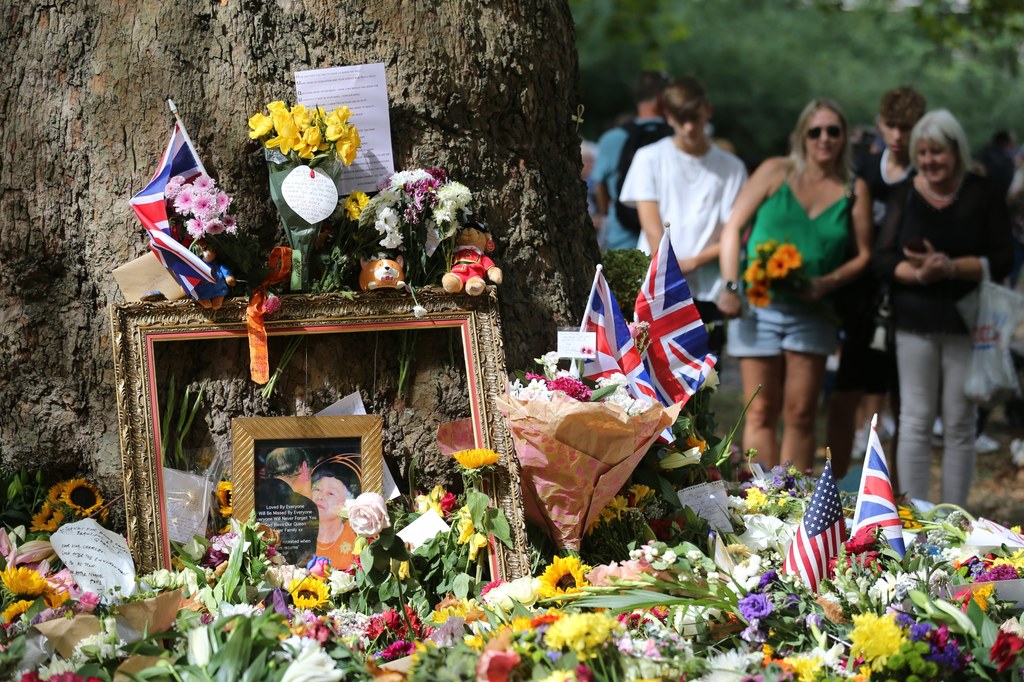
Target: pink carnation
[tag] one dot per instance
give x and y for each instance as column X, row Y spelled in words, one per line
column 574, row 388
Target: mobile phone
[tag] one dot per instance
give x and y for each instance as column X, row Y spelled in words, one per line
column 917, row 246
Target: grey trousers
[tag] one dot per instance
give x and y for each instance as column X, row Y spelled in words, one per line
column 932, row 371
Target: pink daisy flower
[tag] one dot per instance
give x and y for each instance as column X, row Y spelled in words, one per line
column 203, row 183
column 183, row 202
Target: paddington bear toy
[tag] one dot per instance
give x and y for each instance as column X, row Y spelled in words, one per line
column 471, row 267
column 212, row 295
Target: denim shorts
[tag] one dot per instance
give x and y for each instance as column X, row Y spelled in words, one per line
column 766, row 332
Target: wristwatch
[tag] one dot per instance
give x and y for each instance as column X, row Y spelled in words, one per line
column 732, row 286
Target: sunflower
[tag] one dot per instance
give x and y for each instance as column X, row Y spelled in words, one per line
column 48, row 519
column 15, row 610
column 81, row 496
column 563, row 576
column 53, row 497
column 476, row 458
column 758, row 295
column 54, row 599
column 23, row 582
column 309, row 593
column 224, row 491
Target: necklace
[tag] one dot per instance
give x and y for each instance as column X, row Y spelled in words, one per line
column 941, row 198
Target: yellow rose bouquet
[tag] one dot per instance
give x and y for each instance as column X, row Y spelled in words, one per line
column 306, row 150
column 777, row 268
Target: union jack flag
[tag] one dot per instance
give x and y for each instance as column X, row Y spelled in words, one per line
column 178, row 159
column 820, row 534
column 615, row 351
column 876, row 504
column 677, row 359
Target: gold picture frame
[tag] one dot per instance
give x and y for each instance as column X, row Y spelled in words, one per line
column 139, row 328
column 321, row 462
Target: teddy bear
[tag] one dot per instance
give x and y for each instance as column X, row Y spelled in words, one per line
column 471, row 267
column 382, row 273
column 211, row 295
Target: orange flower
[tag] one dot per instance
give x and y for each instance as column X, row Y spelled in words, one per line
column 777, row 266
column 754, row 273
column 790, row 255
column 758, row 295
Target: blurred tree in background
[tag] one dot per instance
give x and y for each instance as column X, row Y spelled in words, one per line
column 762, row 60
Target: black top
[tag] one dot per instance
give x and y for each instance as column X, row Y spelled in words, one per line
column 975, row 224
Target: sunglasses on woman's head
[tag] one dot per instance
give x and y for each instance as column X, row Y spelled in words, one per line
column 832, row 131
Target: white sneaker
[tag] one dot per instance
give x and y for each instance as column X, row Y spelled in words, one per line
column 985, row 444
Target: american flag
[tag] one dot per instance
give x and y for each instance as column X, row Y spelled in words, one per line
column 179, row 159
column 677, row 359
column 615, row 351
column 820, row 533
column 876, row 504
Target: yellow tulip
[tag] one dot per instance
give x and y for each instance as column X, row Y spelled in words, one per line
column 261, row 125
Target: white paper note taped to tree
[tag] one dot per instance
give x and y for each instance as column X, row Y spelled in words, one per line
column 710, row 502
column 98, row 558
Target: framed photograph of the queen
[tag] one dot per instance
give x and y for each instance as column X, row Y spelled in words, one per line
column 296, row 473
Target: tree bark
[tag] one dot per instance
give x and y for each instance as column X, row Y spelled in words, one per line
column 487, row 90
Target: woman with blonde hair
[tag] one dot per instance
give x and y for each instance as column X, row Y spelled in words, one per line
column 803, row 199
column 942, row 232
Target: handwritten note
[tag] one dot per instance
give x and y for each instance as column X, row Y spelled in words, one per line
column 708, row 501
column 352, row 404
column 576, row 345
column 98, row 558
column 423, row 529
column 364, row 90
column 310, row 193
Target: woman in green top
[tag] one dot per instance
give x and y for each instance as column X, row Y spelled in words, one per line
column 802, row 199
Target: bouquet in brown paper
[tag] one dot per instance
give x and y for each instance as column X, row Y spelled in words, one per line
column 577, row 447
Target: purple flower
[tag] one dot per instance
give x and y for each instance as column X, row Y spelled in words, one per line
column 920, row 631
column 552, row 655
column 755, row 606
column 279, row 598
column 904, row 620
column 767, row 578
column 813, row 620
column 752, row 633
column 1003, row 572
column 948, row 655
column 438, row 174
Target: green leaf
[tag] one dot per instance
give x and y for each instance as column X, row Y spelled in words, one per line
column 477, row 503
column 497, row 525
column 460, row 586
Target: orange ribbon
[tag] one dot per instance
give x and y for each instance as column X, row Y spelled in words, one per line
column 280, row 263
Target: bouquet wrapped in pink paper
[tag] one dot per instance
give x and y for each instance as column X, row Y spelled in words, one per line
column 577, row 448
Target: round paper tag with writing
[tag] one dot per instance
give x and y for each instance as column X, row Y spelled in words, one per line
column 310, row 193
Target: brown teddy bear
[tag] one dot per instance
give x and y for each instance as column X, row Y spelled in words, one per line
column 471, row 267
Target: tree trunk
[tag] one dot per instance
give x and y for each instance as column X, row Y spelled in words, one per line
column 486, row 90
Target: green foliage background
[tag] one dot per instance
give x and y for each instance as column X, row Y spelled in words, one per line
column 762, row 60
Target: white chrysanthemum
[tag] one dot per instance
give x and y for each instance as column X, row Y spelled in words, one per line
column 731, row 666
column 403, row 177
column 248, row 610
column 747, row 573
column 387, row 220
column 883, row 591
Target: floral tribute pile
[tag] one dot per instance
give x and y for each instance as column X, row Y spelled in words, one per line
column 651, row 594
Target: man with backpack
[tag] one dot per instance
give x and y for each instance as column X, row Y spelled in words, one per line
column 615, row 150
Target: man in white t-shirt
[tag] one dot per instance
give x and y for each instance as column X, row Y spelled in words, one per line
column 686, row 181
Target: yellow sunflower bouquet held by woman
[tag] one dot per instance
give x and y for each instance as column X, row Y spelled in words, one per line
column 777, row 268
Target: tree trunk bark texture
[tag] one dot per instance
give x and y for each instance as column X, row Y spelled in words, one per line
column 486, row 90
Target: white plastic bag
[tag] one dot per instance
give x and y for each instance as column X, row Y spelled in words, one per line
column 992, row 313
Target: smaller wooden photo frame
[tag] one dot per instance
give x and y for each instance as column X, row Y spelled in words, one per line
column 296, row 473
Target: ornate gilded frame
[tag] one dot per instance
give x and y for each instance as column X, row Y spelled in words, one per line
column 137, row 327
